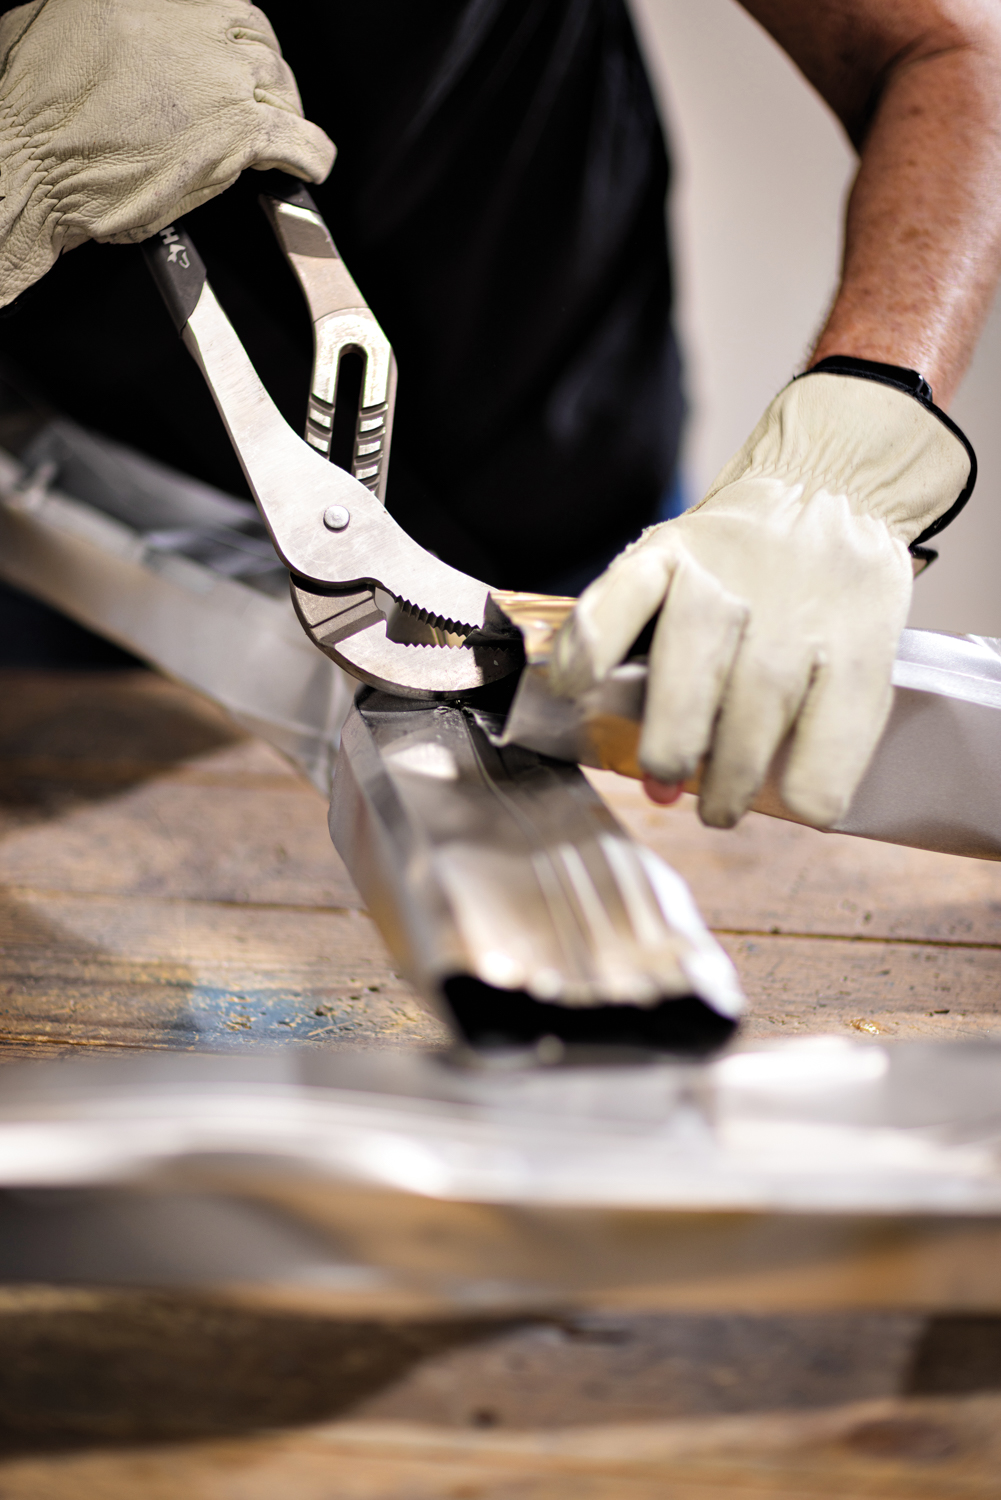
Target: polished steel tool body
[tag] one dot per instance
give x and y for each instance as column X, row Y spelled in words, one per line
column 368, row 595
column 510, row 896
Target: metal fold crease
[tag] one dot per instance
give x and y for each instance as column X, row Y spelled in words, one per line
column 512, row 899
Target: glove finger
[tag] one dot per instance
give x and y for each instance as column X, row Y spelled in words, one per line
column 609, row 616
column 694, row 645
column 272, row 139
column 766, row 688
column 259, row 53
column 839, row 726
column 256, row 27
column 293, row 145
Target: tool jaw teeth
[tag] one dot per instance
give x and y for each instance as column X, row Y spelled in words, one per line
column 417, row 626
column 367, row 632
column 410, row 624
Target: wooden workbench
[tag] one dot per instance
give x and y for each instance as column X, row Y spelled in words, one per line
column 166, row 882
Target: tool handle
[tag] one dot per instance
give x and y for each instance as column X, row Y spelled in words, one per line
column 285, row 188
column 178, row 271
column 328, row 528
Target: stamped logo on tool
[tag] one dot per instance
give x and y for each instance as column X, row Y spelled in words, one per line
column 178, row 254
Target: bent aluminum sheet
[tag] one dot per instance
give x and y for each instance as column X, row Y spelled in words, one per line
column 176, row 572
column 172, row 570
column 933, row 782
column 574, row 915
column 510, row 895
column 817, row 1173
column 181, row 575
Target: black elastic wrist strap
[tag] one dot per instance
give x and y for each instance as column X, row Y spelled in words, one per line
column 911, row 384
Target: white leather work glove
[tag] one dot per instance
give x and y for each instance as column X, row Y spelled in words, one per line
column 118, row 116
column 781, row 595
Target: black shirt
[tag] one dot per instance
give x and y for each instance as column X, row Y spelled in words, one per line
column 499, row 197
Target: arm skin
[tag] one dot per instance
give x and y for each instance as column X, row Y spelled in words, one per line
column 917, row 86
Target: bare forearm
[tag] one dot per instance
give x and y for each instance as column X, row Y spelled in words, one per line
column 918, row 87
column 923, row 237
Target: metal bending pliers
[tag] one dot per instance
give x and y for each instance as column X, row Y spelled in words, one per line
column 367, row 594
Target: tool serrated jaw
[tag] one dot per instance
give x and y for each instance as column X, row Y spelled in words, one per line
column 298, row 492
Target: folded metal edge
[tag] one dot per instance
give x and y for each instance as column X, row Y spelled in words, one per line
column 932, row 781
column 513, row 901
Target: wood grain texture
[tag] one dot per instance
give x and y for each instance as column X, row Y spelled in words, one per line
column 884, row 1450
column 834, row 933
column 150, row 974
column 167, row 882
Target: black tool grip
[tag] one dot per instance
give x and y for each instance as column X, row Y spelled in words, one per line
column 285, row 188
column 178, row 271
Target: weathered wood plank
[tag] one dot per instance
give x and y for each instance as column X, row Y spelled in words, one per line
column 136, row 786
column 93, row 1364
column 917, row 1450
column 168, row 882
column 153, row 973
column 234, row 832
column 769, row 876
column 905, row 990
column 114, row 718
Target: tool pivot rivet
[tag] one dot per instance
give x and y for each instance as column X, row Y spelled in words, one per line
column 336, row 517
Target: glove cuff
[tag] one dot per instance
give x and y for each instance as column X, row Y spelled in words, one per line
column 912, row 384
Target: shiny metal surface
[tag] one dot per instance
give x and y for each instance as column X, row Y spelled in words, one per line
column 814, row 1124
column 293, row 486
column 175, row 572
column 508, row 856
column 342, row 323
column 297, row 489
column 359, row 630
column 511, row 898
column 932, row 783
column 819, row 1173
column 336, row 517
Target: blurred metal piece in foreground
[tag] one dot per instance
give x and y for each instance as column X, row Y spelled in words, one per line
column 815, row 1174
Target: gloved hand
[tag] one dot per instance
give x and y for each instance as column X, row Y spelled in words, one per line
column 118, row 116
column 782, row 596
